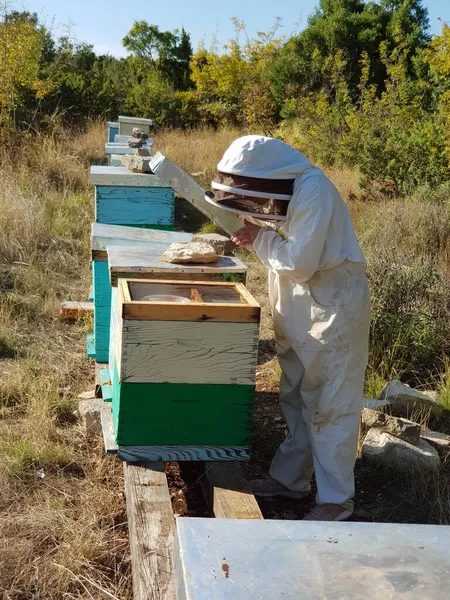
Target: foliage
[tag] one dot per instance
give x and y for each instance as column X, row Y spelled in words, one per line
column 410, row 327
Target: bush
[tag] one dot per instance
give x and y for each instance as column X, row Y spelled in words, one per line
column 410, row 325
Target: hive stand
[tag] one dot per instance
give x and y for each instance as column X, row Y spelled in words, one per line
column 101, row 235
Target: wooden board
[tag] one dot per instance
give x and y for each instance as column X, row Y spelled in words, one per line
column 103, row 234
column 187, row 187
column 125, row 261
column 122, row 177
column 195, row 311
column 228, row 492
column 71, row 311
column 185, row 352
column 111, row 148
column 151, row 531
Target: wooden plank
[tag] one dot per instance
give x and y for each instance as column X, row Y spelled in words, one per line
column 195, row 295
column 151, row 530
column 106, row 420
column 245, row 295
column 183, row 453
column 102, row 175
column 185, row 352
column 71, row 311
column 133, row 261
column 187, row 187
column 228, row 492
column 98, row 387
column 195, row 311
column 103, row 234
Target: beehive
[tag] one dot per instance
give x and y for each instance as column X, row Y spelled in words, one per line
column 127, row 124
column 126, row 198
column 113, row 130
column 183, row 374
column 155, row 241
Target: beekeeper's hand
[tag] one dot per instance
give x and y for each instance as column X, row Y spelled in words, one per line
column 244, row 238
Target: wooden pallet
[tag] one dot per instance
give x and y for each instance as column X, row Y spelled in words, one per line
column 150, row 517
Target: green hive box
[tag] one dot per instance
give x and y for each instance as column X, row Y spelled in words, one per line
column 183, row 373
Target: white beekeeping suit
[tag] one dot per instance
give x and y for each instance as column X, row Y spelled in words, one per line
column 320, row 300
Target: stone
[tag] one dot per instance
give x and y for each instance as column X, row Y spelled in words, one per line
column 393, row 452
column 221, row 244
column 374, row 404
column 190, row 252
column 403, row 399
column 136, row 143
column 139, row 134
column 89, row 411
column 136, row 163
column 437, row 439
column 401, row 428
column 87, row 395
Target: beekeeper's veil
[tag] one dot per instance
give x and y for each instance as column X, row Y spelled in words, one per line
column 256, row 177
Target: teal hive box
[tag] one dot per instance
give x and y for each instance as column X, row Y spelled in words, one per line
column 183, row 374
column 112, row 130
column 137, row 199
column 102, row 235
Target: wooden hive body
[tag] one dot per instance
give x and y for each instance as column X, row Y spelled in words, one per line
column 126, row 198
column 112, row 130
column 102, row 235
column 183, row 374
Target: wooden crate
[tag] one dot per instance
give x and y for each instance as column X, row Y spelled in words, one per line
column 183, row 374
column 126, row 198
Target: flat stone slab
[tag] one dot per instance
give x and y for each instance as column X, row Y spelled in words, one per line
column 401, row 428
column 404, row 399
column 299, row 560
column 437, row 439
column 220, row 243
column 393, row 452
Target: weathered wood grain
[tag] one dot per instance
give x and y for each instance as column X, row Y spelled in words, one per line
column 151, row 527
column 228, row 493
column 106, row 420
column 184, row 352
column 122, row 177
column 182, row 453
column 132, row 261
column 195, row 311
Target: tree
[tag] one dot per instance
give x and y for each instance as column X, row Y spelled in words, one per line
column 352, row 27
column 169, row 52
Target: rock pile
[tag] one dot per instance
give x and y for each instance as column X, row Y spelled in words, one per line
column 400, row 442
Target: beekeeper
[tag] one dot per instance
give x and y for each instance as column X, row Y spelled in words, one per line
column 301, row 230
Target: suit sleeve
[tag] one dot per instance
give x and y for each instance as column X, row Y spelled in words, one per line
column 299, row 255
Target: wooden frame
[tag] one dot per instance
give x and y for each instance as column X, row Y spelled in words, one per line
column 248, row 311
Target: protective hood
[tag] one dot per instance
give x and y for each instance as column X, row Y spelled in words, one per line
column 256, row 176
column 264, row 158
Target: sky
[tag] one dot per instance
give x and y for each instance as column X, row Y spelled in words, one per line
column 103, row 23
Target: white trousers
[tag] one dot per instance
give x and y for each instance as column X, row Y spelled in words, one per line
column 321, row 392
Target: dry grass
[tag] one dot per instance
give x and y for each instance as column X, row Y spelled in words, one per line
column 63, row 528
